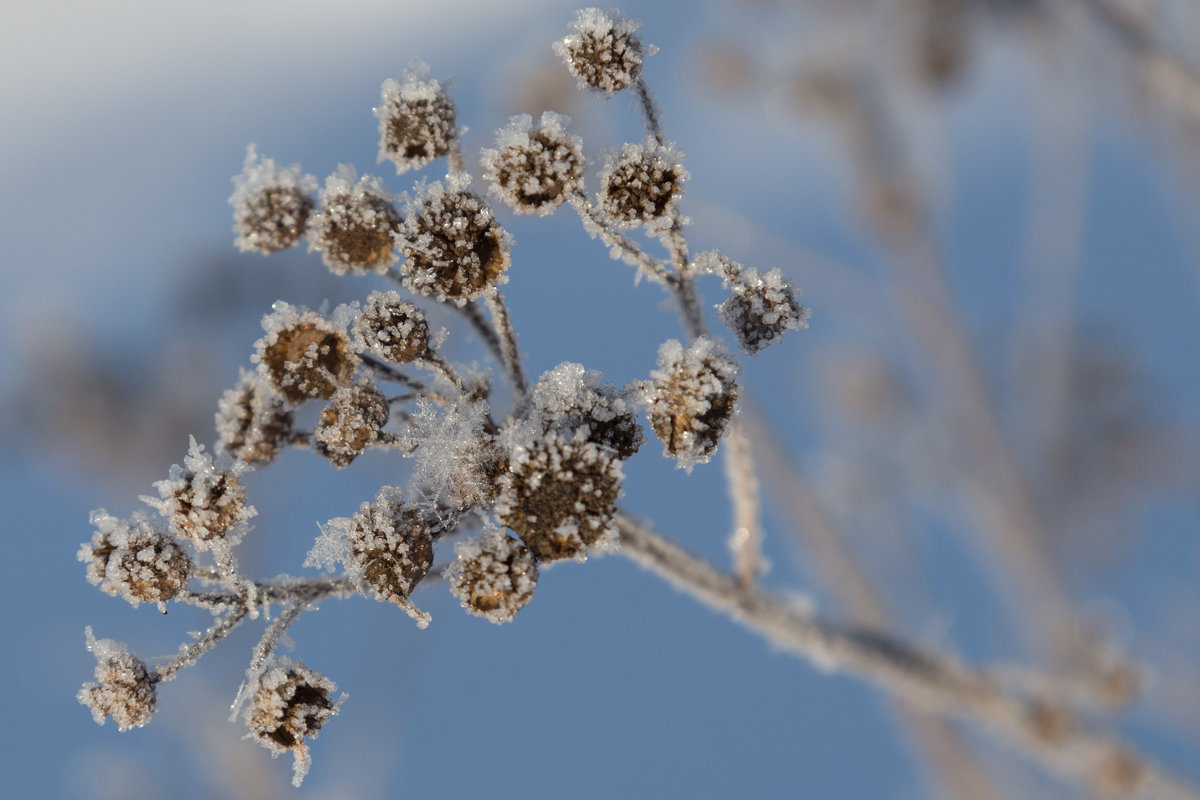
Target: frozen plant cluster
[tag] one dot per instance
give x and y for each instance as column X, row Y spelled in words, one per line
column 503, row 482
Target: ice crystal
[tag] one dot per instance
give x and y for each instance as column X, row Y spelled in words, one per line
column 534, row 169
column 416, row 119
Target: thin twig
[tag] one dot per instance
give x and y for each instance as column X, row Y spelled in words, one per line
column 510, row 352
column 1046, row 733
column 189, row 653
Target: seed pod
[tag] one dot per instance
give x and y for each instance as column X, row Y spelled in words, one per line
column 303, row 354
column 271, row 204
column 132, row 559
column 253, row 423
column 577, row 403
column 535, row 169
column 691, row 398
column 123, row 689
column 603, row 51
column 391, row 546
column 416, row 119
column 494, row 576
column 202, row 500
column 559, row 495
column 761, row 307
column 351, row 423
column 455, row 249
column 391, row 328
column 642, row 183
column 290, row 704
column 353, row 230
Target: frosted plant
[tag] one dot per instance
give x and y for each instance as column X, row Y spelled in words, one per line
column 503, row 483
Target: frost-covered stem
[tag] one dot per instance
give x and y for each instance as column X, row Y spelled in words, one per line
column 477, row 320
column 947, row 756
column 934, row 681
column 746, row 540
column 277, row 591
column 457, row 163
column 443, row 368
column 274, row 632
column 650, row 113
column 190, row 653
column 598, row 227
column 510, row 352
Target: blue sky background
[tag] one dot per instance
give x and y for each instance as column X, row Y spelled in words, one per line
column 116, row 156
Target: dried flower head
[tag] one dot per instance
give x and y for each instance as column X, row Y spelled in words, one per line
column 391, row 328
column 559, row 495
column 353, row 230
column 494, row 576
column 603, row 51
column 134, row 560
column 534, row 169
column 253, row 423
column 123, row 689
column 351, row 422
column 270, row 204
column 690, row 398
column 577, row 403
column 642, row 183
column 390, row 545
column 202, row 500
column 303, row 354
column 761, row 307
column 290, row 704
column 455, row 249
column 416, row 119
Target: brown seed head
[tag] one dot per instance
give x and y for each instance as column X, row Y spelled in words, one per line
column 271, row 205
column 642, row 183
column 133, row 560
column 535, row 169
column 603, row 51
column 123, row 689
column 455, row 249
column 253, row 423
column 391, row 546
column 304, row 355
column 354, row 227
column 351, row 422
column 494, row 576
column 416, row 119
column 391, row 328
column 691, row 398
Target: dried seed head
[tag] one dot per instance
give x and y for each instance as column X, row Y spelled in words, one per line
column 761, row 307
column 642, row 184
column 123, row 689
column 391, row 328
column 390, row 546
column 271, row 204
column 253, row 423
column 416, row 119
column 455, row 249
column 603, row 51
column 291, row 703
column 494, row 576
column 132, row 559
column 351, row 422
column 578, row 404
column 353, row 230
column 202, row 500
column 559, row 495
column 691, row 398
column 303, row 354
column 535, row 169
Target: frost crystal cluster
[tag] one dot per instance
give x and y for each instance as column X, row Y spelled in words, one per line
column 507, row 475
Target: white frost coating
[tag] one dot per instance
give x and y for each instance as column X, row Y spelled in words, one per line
column 295, row 374
column 258, row 176
column 578, row 403
column 453, row 453
column 423, row 110
column 454, row 248
column 493, row 576
column 603, row 51
column 641, row 184
column 761, row 307
column 123, row 689
column 690, row 398
column 203, row 500
column 290, row 704
column 349, row 203
column 534, row 169
column 134, row 560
